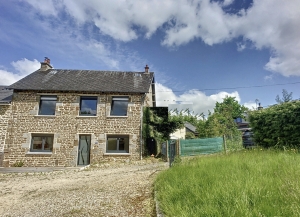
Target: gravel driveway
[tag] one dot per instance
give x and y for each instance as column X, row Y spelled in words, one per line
column 103, row 190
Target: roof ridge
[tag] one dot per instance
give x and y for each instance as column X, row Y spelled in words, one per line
column 95, row 70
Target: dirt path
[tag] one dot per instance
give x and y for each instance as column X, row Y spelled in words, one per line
column 106, row 190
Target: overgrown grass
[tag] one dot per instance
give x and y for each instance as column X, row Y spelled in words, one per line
column 247, row 183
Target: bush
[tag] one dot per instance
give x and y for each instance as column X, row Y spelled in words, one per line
column 277, row 125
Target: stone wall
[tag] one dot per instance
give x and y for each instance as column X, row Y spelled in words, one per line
column 66, row 126
column 5, row 112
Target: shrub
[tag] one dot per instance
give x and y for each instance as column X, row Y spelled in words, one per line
column 278, row 125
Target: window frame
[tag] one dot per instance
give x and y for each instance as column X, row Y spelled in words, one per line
column 117, row 150
column 118, row 99
column 47, row 98
column 88, row 98
column 43, row 137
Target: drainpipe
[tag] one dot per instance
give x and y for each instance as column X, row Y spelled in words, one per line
column 141, row 134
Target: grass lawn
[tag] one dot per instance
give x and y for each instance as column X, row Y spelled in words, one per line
column 245, row 183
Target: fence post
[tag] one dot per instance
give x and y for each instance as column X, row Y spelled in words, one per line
column 225, row 146
column 167, row 146
column 177, row 147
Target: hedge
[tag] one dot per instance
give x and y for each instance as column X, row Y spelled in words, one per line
column 278, row 125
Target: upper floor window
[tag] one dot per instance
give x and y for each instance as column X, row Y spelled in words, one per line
column 47, row 105
column 41, row 143
column 119, row 106
column 88, row 105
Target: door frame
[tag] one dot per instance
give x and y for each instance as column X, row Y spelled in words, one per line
column 89, row 149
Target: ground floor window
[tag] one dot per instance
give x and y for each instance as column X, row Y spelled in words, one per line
column 117, row 144
column 41, row 143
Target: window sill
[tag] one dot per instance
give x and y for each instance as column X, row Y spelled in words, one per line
column 117, row 153
column 39, row 153
column 117, row 116
column 45, row 116
column 86, row 116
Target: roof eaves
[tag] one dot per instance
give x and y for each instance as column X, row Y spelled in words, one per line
column 5, row 102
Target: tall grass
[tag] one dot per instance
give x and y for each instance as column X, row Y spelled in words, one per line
column 248, row 183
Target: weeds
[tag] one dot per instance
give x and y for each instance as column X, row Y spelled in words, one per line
column 247, row 183
column 18, row 164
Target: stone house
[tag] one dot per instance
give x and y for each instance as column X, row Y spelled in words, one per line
column 187, row 128
column 77, row 117
column 5, row 113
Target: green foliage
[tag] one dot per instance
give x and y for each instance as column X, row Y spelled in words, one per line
column 277, row 126
column 158, row 124
column 18, row 164
column 186, row 116
column 217, row 124
column 221, row 122
column 286, row 97
column 190, row 135
column 230, row 107
column 232, row 185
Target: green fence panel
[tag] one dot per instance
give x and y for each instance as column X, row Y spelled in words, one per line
column 190, row 147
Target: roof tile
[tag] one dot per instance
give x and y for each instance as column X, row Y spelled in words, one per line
column 86, row 81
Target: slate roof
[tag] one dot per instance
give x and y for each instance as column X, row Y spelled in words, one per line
column 190, row 127
column 5, row 95
column 86, row 81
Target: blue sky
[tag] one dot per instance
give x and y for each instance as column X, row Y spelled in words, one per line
column 200, row 50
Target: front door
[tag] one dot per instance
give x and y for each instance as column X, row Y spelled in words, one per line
column 84, row 149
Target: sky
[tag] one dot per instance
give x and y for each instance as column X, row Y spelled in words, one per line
column 200, row 50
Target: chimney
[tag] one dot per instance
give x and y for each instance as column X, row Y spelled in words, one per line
column 146, row 69
column 259, row 107
column 45, row 65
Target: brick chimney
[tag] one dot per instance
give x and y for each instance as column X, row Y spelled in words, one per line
column 45, row 65
column 146, row 69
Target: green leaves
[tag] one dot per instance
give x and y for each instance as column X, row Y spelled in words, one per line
column 158, row 123
column 286, row 97
column 278, row 125
column 230, row 107
column 222, row 120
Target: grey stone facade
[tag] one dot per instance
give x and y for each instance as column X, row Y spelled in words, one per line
column 5, row 114
column 20, row 120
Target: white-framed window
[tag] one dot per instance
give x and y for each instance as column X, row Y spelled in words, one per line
column 119, row 105
column 41, row 142
column 88, row 106
column 47, row 105
column 117, row 144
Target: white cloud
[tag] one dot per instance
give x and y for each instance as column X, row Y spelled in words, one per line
column 199, row 100
column 227, row 2
column 22, row 67
column 268, row 77
column 251, row 105
column 45, row 8
column 25, row 66
column 269, row 24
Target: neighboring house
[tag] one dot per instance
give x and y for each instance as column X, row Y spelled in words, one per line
column 191, row 129
column 77, row 117
column 181, row 133
column 242, row 123
column 5, row 113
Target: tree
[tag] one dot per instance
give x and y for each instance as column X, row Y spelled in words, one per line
column 222, row 120
column 231, row 107
column 286, row 97
column 158, row 123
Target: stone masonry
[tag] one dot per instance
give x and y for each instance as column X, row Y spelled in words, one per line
column 22, row 120
column 5, row 112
